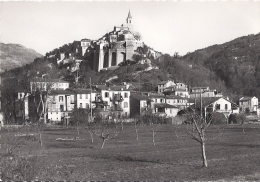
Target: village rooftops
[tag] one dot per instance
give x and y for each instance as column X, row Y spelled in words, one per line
column 207, row 101
column 48, row 80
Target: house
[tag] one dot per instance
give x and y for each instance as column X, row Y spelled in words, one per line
column 139, row 103
column 117, row 98
column 220, row 105
column 22, row 107
column 164, row 84
column 172, row 90
column 60, row 104
column 43, row 84
column 83, row 98
column 166, row 110
column 177, row 101
column 197, row 92
column 250, row 103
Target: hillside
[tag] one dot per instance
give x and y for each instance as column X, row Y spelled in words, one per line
column 232, row 68
column 236, row 63
column 15, row 55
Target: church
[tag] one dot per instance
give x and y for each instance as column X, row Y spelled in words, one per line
column 114, row 47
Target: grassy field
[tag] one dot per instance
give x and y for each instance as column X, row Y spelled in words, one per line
column 235, row 155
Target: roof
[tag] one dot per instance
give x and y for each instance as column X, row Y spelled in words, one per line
column 206, row 101
column 156, row 96
column 61, row 92
column 86, row 40
column 48, row 80
column 164, row 105
column 163, row 82
column 199, row 87
column 113, row 88
column 245, row 99
column 82, row 91
column 139, row 96
column 175, row 97
column 129, row 15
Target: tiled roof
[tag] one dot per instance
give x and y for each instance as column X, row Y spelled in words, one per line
column 175, row 97
column 82, row 91
column 164, row 105
column 163, row 82
column 113, row 88
column 245, row 99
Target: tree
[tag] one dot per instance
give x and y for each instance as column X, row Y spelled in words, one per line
column 79, row 118
column 152, row 123
column 104, row 128
column 198, row 134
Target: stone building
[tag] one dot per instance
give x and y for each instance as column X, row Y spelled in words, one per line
column 114, row 47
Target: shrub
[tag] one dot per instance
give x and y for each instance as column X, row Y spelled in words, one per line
column 218, row 118
column 236, row 119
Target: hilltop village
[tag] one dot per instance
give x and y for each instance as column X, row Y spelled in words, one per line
column 58, row 100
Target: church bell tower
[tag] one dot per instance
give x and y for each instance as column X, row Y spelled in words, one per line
column 129, row 21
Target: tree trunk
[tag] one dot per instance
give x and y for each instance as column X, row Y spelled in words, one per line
column 91, row 135
column 205, row 164
column 40, row 138
column 103, row 143
column 136, row 131
column 153, row 138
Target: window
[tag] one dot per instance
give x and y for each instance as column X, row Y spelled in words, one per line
column 126, row 95
column 217, row 106
column 170, row 111
column 86, row 96
column 106, row 94
column 161, row 100
column 125, row 104
column 61, row 98
column 80, row 96
column 80, row 105
column 226, row 106
column 86, row 105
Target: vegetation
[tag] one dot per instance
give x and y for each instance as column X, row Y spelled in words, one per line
column 233, row 157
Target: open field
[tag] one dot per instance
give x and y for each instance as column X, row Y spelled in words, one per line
column 235, row 155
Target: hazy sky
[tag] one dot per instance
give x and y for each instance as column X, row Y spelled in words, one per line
column 181, row 26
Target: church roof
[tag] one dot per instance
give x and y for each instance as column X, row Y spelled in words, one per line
column 129, row 15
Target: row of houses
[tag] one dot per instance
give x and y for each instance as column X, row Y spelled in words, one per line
column 104, row 99
column 169, row 87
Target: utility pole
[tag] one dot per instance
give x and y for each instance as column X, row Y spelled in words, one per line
column 90, row 98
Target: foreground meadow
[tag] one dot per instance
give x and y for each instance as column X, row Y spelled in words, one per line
column 235, row 155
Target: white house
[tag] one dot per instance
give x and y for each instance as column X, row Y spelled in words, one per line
column 167, row 110
column 60, row 104
column 83, row 98
column 248, row 102
column 116, row 97
column 220, row 105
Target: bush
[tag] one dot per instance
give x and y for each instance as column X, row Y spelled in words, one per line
column 236, row 119
column 219, row 118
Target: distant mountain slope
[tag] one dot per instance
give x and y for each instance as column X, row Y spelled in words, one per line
column 237, row 63
column 15, row 55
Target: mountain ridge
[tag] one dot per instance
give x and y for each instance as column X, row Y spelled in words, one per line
column 15, row 55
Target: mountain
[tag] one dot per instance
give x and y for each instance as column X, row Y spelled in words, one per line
column 236, row 63
column 15, row 55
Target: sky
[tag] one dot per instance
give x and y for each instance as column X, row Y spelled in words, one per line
column 166, row 26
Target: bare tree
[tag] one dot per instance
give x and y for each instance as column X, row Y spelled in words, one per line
column 198, row 134
column 152, row 123
column 104, row 128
